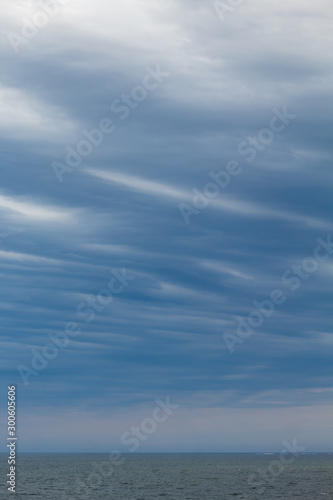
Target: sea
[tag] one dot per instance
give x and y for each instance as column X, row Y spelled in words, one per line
column 186, row 476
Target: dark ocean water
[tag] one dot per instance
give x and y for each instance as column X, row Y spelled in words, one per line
column 171, row 476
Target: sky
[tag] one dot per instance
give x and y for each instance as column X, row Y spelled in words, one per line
column 166, row 204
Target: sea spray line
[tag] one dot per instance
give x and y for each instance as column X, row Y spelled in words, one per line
column 276, row 467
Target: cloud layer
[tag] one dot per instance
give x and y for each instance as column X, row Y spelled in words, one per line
column 213, row 87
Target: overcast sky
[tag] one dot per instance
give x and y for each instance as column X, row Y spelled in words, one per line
column 182, row 91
